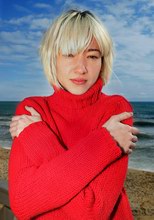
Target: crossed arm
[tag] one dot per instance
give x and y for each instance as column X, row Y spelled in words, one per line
column 125, row 135
column 49, row 173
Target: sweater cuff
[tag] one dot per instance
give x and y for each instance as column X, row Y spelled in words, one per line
column 110, row 140
column 110, row 137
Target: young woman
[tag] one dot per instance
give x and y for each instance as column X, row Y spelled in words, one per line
column 70, row 150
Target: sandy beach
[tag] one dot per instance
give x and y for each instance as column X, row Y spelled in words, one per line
column 4, row 157
column 139, row 186
column 140, row 189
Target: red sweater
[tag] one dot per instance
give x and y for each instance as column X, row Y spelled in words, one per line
column 67, row 167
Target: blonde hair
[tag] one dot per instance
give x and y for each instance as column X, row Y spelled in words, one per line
column 71, row 33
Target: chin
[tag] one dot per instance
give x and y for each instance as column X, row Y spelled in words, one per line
column 78, row 92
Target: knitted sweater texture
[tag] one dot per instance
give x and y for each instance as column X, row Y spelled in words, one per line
column 68, row 167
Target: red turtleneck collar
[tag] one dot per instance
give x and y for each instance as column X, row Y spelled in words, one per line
column 66, row 99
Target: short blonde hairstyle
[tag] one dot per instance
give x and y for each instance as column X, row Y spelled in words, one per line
column 71, row 33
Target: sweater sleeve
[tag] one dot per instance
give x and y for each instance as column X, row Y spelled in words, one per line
column 108, row 185
column 43, row 173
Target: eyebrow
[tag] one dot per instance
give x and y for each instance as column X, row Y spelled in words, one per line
column 92, row 49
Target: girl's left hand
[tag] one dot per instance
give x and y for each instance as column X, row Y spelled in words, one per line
column 20, row 122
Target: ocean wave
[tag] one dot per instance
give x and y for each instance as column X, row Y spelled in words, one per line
column 7, row 114
column 5, row 118
column 141, row 147
column 143, row 115
column 145, row 123
column 4, row 125
column 145, row 136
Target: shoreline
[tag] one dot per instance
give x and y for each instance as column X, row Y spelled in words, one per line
column 140, row 169
column 129, row 167
column 139, row 187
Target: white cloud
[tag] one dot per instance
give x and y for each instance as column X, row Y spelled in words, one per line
column 42, row 5
column 20, row 21
column 30, row 22
column 39, row 23
column 20, row 47
column 21, row 8
column 13, row 37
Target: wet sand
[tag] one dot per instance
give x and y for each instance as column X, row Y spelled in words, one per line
column 139, row 186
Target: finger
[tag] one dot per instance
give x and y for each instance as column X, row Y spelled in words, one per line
column 13, row 132
column 132, row 146
column 134, row 139
column 129, row 151
column 135, row 130
column 13, row 135
column 13, row 127
column 13, row 124
column 123, row 116
column 32, row 111
column 16, row 118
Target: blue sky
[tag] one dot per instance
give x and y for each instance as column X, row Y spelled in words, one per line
column 130, row 23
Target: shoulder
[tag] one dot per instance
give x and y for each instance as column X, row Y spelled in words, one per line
column 122, row 103
column 117, row 103
column 37, row 102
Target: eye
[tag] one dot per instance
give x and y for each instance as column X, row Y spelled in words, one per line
column 69, row 55
column 93, row 57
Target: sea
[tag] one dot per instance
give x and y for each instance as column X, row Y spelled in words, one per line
column 142, row 157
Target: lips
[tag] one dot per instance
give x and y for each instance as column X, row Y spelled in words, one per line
column 78, row 81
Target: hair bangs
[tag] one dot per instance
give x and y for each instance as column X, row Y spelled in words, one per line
column 76, row 35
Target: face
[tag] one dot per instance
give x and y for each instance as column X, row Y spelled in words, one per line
column 77, row 73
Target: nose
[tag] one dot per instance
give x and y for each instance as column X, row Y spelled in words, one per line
column 81, row 67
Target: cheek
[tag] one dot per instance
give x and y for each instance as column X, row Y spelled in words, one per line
column 57, row 72
column 59, row 69
column 62, row 74
column 97, row 68
column 100, row 64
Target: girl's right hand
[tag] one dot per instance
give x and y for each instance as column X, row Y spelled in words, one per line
column 122, row 133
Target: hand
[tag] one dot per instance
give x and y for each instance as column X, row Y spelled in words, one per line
column 122, row 133
column 20, row 122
